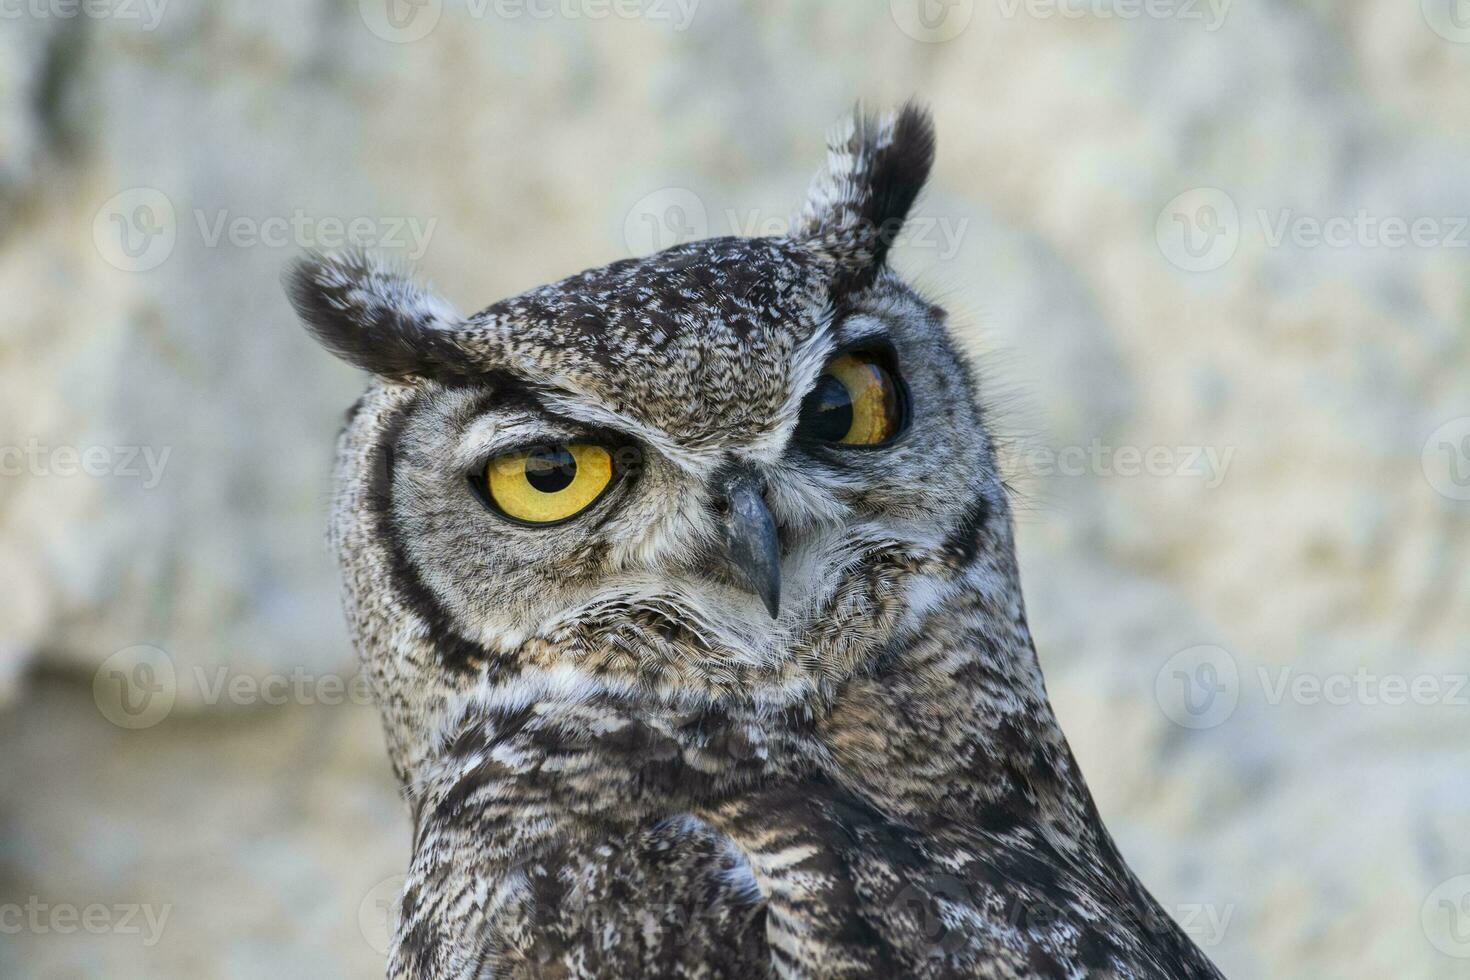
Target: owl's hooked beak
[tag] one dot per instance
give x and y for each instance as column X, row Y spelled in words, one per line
column 751, row 544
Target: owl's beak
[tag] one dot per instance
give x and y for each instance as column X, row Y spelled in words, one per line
column 751, row 544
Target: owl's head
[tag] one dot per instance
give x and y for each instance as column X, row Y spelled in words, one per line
column 733, row 469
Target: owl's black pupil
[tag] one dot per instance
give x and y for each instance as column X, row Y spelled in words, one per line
column 828, row 410
column 551, row 470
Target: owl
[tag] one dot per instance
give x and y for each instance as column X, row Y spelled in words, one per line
column 686, row 586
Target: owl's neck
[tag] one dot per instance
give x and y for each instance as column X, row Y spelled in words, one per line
column 946, row 735
column 950, row 716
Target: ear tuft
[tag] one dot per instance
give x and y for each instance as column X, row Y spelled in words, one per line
column 374, row 317
column 875, row 169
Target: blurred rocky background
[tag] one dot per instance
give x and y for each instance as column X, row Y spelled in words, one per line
column 1211, row 257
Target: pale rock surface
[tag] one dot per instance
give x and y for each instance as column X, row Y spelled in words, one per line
column 1294, row 836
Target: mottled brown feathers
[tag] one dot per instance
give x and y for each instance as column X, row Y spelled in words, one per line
column 619, row 762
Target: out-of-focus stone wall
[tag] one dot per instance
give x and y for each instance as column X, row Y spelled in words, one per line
column 1211, row 258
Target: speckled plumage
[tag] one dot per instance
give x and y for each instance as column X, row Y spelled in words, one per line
column 619, row 764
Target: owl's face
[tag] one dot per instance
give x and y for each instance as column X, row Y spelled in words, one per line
column 733, row 468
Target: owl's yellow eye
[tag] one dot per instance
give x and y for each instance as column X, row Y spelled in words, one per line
column 549, row 483
column 856, row 402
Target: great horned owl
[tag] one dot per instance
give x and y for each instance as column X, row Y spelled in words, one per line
column 687, row 589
